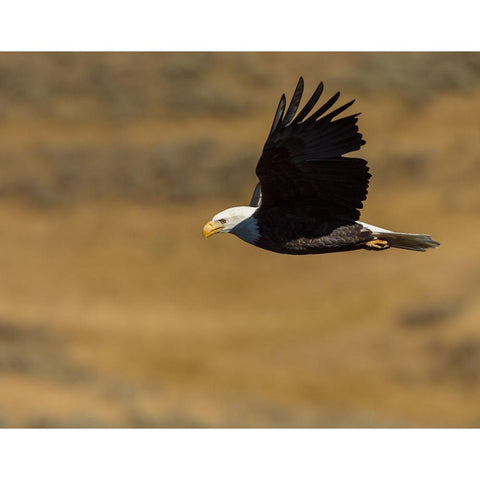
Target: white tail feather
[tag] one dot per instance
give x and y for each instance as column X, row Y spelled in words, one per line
column 409, row 241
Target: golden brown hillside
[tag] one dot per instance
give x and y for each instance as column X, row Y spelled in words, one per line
column 115, row 312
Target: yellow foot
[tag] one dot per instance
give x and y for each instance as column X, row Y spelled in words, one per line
column 376, row 244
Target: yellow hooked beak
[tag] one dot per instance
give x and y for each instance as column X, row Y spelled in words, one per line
column 211, row 227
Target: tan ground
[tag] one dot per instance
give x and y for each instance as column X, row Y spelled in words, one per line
column 115, row 312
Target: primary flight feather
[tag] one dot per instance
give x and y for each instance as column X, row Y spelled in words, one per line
column 309, row 196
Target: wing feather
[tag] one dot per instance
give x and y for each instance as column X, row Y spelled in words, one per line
column 338, row 111
column 303, row 162
column 256, row 199
column 310, row 104
column 278, row 115
column 324, row 108
column 293, row 107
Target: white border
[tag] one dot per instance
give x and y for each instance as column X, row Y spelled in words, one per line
column 241, row 454
column 349, row 25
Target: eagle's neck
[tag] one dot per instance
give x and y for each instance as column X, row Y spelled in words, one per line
column 248, row 229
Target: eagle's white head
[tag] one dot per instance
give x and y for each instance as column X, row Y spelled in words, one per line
column 236, row 220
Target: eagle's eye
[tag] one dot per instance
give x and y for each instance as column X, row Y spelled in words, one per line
column 223, row 221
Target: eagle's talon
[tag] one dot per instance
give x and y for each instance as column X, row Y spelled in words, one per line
column 377, row 244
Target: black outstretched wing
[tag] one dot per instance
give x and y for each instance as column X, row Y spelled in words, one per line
column 302, row 163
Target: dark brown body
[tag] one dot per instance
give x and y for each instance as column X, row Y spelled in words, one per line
column 301, row 233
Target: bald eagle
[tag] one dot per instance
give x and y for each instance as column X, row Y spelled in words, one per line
column 309, row 196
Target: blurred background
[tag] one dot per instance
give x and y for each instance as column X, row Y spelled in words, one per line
column 115, row 312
